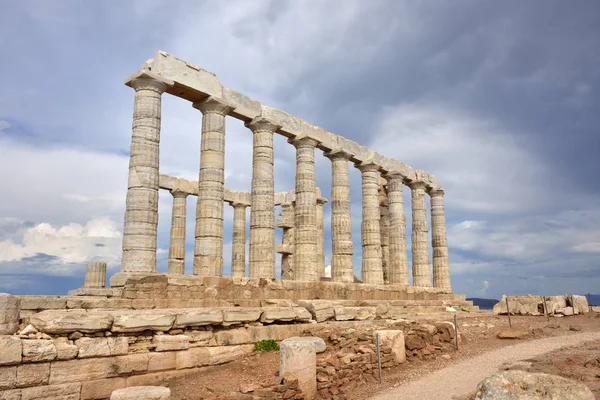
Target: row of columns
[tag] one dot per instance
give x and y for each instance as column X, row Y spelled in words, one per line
column 384, row 252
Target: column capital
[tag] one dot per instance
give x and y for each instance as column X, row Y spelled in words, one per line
column 322, row 200
column 236, row 204
column 303, row 141
column 338, row 154
column 261, row 124
column 367, row 166
column 213, row 105
column 148, row 80
column 393, row 175
column 436, row 192
column 417, row 185
column 179, row 193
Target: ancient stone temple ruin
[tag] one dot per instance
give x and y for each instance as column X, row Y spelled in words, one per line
column 147, row 327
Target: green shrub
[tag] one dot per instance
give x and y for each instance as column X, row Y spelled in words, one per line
column 266, row 346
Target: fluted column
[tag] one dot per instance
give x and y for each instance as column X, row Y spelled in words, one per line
column 420, row 246
column 306, row 248
column 95, row 275
column 177, row 244
column 372, row 268
column 286, row 249
column 439, row 242
column 238, row 244
column 341, row 218
column 398, row 264
column 320, row 235
column 208, row 246
column 384, row 230
column 262, row 209
column 141, row 205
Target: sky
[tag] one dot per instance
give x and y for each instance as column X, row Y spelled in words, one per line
column 499, row 100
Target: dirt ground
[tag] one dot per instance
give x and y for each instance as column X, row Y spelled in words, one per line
column 478, row 332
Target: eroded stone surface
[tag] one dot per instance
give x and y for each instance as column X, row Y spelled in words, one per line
column 10, row 310
column 142, row 393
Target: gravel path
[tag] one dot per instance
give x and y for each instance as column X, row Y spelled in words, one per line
column 461, row 379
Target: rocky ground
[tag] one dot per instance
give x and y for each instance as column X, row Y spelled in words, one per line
column 478, row 332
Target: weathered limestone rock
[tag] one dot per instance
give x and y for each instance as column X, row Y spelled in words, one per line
column 439, row 242
column 95, row 275
column 101, row 388
column 398, row 264
column 262, row 210
column 8, row 378
column 70, row 391
column 11, row 394
column 372, row 268
column 33, row 374
column 567, row 311
column 320, row 310
column 141, row 210
column 208, row 248
column 302, row 314
column 237, row 315
column 178, row 227
column 393, row 339
column 523, row 305
column 10, row 310
column 345, row 313
column 65, row 349
column 101, row 347
column 142, row 393
column 198, row 317
column 271, row 314
column 155, row 320
column 11, row 350
column 515, row 384
column 171, row 342
column 306, row 252
column 38, row 350
column 420, row 245
column 298, row 358
column 238, row 244
column 580, row 304
column 341, row 218
column 56, row 322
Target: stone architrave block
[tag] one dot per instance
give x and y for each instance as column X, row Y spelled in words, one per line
column 321, row 310
column 240, row 315
column 142, row 393
column 69, row 391
column 38, row 350
column 10, row 310
column 393, row 339
column 11, row 350
column 156, row 320
column 272, row 314
column 298, row 358
column 198, row 317
column 68, row 321
column 35, row 374
column 171, row 342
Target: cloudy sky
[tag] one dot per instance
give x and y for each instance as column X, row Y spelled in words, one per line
column 499, row 100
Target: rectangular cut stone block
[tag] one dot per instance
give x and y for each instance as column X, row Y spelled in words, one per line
column 33, row 374
column 80, row 370
column 101, row 388
column 240, row 315
column 272, row 314
column 194, row 357
column 171, row 342
column 8, row 378
column 302, row 314
column 38, row 350
column 156, row 320
column 393, row 339
column 198, row 317
column 43, row 302
column 320, row 310
column 11, row 350
column 65, row 350
column 345, row 313
column 230, row 337
column 102, row 347
column 56, row 322
column 162, row 361
column 199, row 337
column 69, row 391
column 10, row 394
column 363, row 313
column 129, row 364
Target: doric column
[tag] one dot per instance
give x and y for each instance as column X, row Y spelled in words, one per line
column 141, row 206
column 420, row 247
column 398, row 264
column 177, row 244
column 439, row 242
column 384, row 230
column 341, row 218
column 306, row 248
column 95, row 275
column 238, row 245
column 286, row 249
column 208, row 246
column 372, row 269
column 262, row 209
column 320, row 234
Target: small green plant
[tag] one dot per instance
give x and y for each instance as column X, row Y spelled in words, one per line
column 266, row 346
